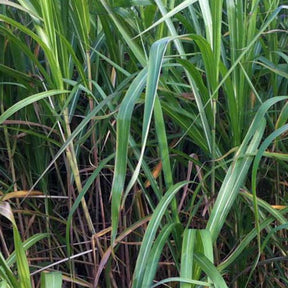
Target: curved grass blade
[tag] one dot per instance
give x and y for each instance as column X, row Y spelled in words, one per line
column 23, row 80
column 260, row 153
column 239, row 169
column 32, row 6
column 19, row 7
column 6, row 274
column 182, row 280
column 243, row 245
column 150, row 233
column 257, row 159
column 170, row 14
column 170, row 25
column 132, row 45
column 232, row 182
column 267, row 207
column 152, row 263
column 194, row 241
column 123, row 128
column 55, row 70
column 271, row 233
column 210, row 270
column 154, row 68
column 271, row 18
column 25, row 49
column 26, row 245
column 283, row 116
column 27, row 101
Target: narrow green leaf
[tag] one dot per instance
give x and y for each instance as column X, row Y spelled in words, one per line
column 6, row 274
column 51, row 280
column 26, row 245
column 210, row 271
column 266, row 206
column 163, row 145
column 151, row 232
column 21, row 260
column 187, row 256
column 154, row 68
column 27, row 9
column 156, row 251
column 245, row 242
column 123, row 127
column 206, row 243
column 51, row 57
column 170, row 14
column 271, row 233
column 207, row 17
column 182, row 281
column 257, row 159
column 27, row 101
column 230, row 187
column 130, row 42
column 239, row 169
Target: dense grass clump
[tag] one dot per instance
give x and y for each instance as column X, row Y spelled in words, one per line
column 143, row 143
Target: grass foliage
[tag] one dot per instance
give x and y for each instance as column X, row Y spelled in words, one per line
column 143, row 143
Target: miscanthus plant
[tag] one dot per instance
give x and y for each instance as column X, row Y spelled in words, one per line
column 143, row 143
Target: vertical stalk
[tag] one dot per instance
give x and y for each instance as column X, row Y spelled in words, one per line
column 70, row 153
column 216, row 46
column 93, row 135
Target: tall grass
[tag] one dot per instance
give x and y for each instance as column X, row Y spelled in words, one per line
column 143, row 143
